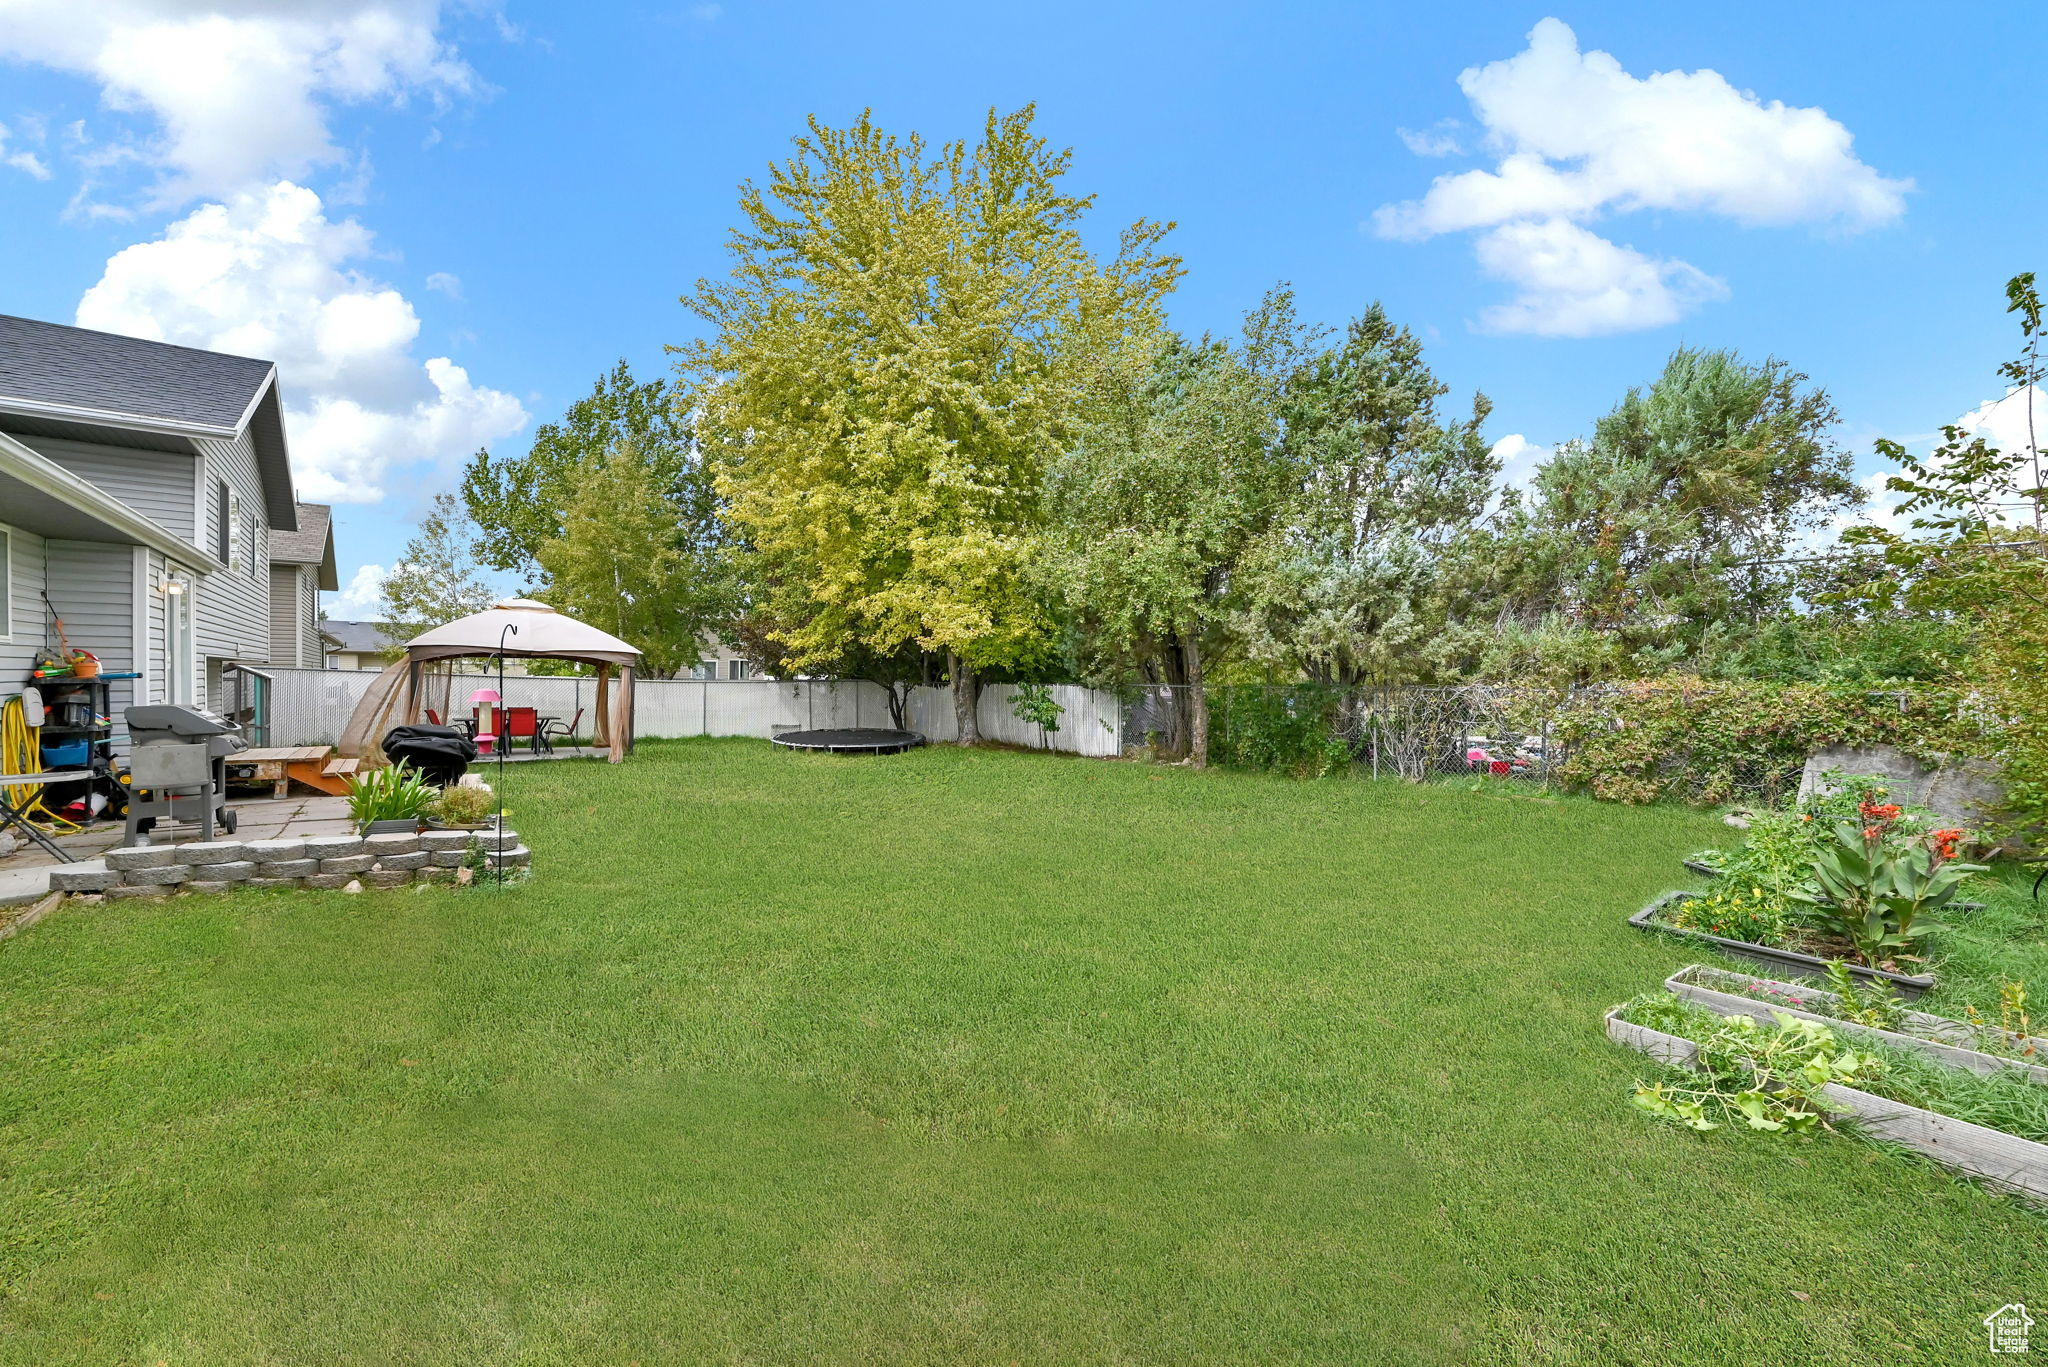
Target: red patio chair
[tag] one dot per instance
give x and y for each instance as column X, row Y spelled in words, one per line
column 522, row 723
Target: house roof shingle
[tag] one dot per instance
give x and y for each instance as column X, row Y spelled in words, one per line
column 86, row 385
column 307, row 545
column 360, row 636
column 49, row 363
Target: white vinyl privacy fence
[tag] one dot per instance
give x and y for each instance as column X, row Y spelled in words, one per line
column 311, row 706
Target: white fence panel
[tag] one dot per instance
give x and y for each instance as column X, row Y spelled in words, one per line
column 1091, row 725
column 312, row 706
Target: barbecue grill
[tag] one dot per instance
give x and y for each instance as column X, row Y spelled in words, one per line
column 179, row 755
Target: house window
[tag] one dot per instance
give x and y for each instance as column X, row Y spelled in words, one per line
column 223, row 523
column 241, row 536
column 6, row 584
column 704, row 669
column 739, row 669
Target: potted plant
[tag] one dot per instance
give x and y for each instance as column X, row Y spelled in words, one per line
column 389, row 800
column 463, row 808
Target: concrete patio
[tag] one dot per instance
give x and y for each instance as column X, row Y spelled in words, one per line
column 25, row 874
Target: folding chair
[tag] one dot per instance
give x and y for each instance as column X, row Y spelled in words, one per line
column 552, row 727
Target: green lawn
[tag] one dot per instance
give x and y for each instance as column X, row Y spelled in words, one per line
column 957, row 1057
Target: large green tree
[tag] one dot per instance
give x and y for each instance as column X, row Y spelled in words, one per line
column 897, row 352
column 519, row 503
column 437, row 579
column 1352, row 584
column 1632, row 545
column 1175, row 478
column 620, row 565
column 611, row 515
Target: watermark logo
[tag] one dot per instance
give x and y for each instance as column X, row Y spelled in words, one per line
column 2007, row 1326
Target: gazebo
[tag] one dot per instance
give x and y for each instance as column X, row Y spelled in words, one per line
column 518, row 628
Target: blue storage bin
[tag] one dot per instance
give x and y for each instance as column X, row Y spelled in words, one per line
column 66, row 754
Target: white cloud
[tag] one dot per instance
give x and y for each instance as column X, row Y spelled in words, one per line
column 239, row 90
column 362, row 598
column 706, row 13
column 1575, row 283
column 23, row 160
column 1518, row 457
column 2002, row 422
column 443, row 283
column 1438, row 140
column 1578, row 138
column 268, row 274
column 2007, row 423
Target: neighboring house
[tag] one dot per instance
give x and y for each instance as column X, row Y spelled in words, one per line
column 140, row 487
column 301, row 565
column 359, row 645
column 373, row 645
column 717, row 660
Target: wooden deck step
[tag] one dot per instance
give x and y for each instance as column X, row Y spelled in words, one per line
column 312, row 765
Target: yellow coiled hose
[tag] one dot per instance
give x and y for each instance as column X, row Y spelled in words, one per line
column 21, row 752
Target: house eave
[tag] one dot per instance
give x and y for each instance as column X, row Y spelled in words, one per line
column 107, row 417
column 54, row 481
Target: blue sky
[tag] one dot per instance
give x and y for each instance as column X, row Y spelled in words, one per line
column 445, row 221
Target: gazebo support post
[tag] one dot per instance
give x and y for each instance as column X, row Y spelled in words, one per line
column 601, row 730
column 626, row 709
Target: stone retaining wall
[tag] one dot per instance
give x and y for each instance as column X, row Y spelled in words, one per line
column 323, row 861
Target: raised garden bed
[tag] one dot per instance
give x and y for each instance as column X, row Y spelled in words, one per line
column 1945, row 1039
column 1992, row 1156
column 1781, row 960
column 1706, row 870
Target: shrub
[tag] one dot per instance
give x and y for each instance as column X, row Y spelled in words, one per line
column 1291, row 729
column 1713, row 741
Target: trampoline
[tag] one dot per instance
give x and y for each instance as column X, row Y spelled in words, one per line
column 852, row 740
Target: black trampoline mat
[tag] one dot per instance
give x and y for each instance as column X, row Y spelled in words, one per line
column 853, row 740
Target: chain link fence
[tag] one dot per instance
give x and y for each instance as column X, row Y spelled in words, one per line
column 1511, row 734
column 1414, row 733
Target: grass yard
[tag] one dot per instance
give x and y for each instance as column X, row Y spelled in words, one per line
column 957, row 1057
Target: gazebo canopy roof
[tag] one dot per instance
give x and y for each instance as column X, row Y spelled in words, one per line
column 542, row 633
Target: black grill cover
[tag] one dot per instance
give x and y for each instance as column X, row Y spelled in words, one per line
column 441, row 753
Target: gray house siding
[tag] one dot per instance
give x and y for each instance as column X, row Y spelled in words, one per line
column 18, row 652
column 312, row 654
column 284, row 614
column 92, row 586
column 233, row 608
column 157, row 484
column 295, row 617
